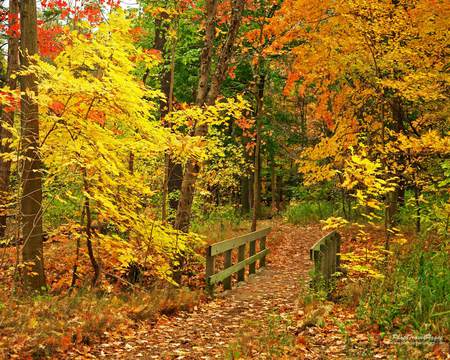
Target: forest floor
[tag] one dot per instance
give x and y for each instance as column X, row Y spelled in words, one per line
column 208, row 331
column 265, row 318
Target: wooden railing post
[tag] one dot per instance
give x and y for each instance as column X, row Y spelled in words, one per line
column 227, row 264
column 323, row 260
column 210, row 265
column 333, row 254
column 324, row 253
column 317, row 266
column 252, row 251
column 241, row 257
column 330, row 251
column 338, row 251
column 226, row 247
column 262, row 246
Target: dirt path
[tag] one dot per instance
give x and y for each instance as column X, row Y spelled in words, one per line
column 206, row 332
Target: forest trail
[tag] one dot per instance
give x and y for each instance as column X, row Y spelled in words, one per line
column 206, row 332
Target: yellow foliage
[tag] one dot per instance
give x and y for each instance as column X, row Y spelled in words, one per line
column 95, row 115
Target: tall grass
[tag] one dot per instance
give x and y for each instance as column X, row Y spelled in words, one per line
column 415, row 294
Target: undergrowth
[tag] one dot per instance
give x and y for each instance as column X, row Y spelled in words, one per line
column 414, row 296
column 46, row 326
column 306, row 212
column 220, row 223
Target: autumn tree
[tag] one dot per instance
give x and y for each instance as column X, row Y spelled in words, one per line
column 8, row 113
column 31, row 166
column 207, row 93
column 374, row 78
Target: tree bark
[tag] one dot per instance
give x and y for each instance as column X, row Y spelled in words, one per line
column 87, row 209
column 204, row 95
column 245, row 205
column 417, row 199
column 7, row 116
column 31, row 199
column 161, row 31
column 273, row 182
column 279, row 183
column 173, row 171
column 257, row 175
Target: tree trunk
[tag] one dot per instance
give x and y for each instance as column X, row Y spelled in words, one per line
column 173, row 171
column 182, row 221
column 273, row 185
column 257, row 175
column 279, row 183
column 31, row 200
column 8, row 117
column 87, row 209
column 417, row 199
column 161, row 32
column 245, row 205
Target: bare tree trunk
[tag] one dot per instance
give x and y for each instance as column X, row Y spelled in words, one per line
column 8, row 117
column 257, row 175
column 31, row 201
column 245, row 205
column 131, row 163
column 182, row 221
column 279, row 192
column 173, row 171
column 251, row 180
column 417, row 199
column 87, row 209
column 161, row 33
column 273, row 185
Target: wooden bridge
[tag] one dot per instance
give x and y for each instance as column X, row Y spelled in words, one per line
column 324, row 253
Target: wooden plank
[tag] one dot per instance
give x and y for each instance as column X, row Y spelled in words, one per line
column 241, row 257
column 333, row 256
column 210, row 268
column 262, row 246
column 338, row 250
column 251, row 252
column 220, row 276
column 323, row 262
column 317, row 266
column 322, row 241
column 330, row 255
column 227, row 264
column 222, row 246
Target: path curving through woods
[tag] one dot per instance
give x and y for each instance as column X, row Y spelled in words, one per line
column 206, row 332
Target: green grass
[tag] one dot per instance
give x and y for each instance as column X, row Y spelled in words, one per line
column 416, row 294
column 305, row 212
column 220, row 223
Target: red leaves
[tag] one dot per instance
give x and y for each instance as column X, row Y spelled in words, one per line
column 57, row 108
column 10, row 103
column 244, row 123
column 231, row 72
column 137, row 33
column 98, row 117
column 48, row 40
column 54, row 4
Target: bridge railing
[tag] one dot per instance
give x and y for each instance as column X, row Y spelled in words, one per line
column 325, row 254
column 226, row 248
